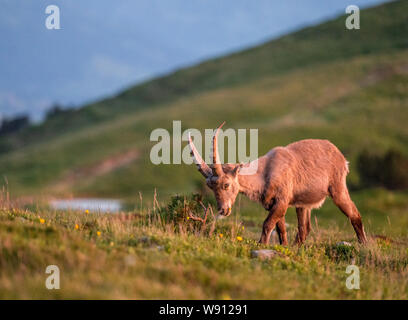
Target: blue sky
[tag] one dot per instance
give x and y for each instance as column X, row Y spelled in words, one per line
column 106, row 46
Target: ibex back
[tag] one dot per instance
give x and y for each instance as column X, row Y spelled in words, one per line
column 300, row 175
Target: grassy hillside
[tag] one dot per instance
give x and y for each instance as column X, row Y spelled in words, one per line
column 321, row 82
column 383, row 30
column 359, row 103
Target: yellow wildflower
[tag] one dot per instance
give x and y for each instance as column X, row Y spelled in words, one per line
column 42, row 221
column 239, row 238
column 76, row 227
column 87, row 211
column 243, row 227
column 188, row 218
column 98, row 233
column 225, row 296
column 221, row 235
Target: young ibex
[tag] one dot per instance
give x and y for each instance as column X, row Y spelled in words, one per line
column 301, row 175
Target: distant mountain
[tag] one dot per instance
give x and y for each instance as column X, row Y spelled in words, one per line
column 350, row 86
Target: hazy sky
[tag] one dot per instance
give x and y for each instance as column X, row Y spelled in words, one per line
column 106, row 46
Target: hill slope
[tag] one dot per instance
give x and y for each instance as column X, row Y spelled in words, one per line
column 322, row 82
column 383, row 29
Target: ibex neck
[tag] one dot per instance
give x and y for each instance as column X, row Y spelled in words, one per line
column 252, row 186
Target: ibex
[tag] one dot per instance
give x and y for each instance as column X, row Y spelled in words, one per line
column 300, row 175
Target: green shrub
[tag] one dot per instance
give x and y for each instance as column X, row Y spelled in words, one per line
column 389, row 170
column 182, row 211
column 340, row 252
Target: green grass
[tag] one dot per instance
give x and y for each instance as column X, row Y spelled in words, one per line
column 137, row 256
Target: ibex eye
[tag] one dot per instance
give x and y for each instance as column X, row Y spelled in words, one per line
column 226, row 186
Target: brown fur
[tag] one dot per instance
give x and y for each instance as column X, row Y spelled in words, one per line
column 300, row 175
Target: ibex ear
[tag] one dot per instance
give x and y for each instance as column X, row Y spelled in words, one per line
column 237, row 168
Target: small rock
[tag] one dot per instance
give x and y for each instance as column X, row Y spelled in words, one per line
column 144, row 239
column 263, row 254
column 344, row 243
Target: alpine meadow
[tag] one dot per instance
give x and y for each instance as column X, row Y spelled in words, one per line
column 321, row 82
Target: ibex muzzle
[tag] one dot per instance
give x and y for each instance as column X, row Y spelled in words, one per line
column 300, row 175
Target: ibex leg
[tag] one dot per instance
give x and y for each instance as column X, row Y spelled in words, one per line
column 281, row 231
column 342, row 199
column 276, row 213
column 303, row 216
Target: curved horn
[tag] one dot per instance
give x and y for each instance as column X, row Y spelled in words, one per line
column 217, row 168
column 204, row 169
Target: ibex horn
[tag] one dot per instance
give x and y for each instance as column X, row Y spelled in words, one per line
column 204, row 169
column 217, row 168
